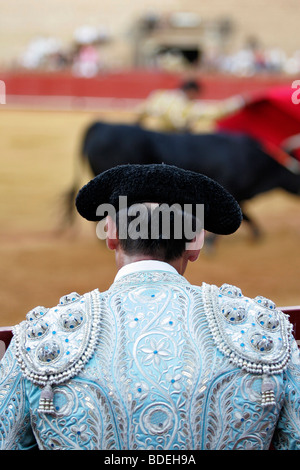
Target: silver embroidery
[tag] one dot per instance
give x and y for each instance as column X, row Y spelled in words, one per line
column 245, row 343
column 150, row 375
column 64, row 349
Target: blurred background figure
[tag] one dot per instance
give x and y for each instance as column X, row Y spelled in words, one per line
column 40, row 52
column 170, row 110
column 182, row 110
column 87, row 54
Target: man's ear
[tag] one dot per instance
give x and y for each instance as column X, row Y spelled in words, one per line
column 112, row 240
column 194, row 247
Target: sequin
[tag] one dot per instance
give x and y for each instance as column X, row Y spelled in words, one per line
column 71, row 319
column 267, row 320
column 230, row 291
column 234, row 314
column 37, row 329
column 36, row 313
column 264, row 302
column 48, row 351
column 67, row 299
column 262, row 343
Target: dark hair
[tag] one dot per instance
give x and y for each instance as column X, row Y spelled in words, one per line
column 154, row 238
column 191, row 85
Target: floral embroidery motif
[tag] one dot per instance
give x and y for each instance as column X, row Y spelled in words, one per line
column 156, row 352
column 134, row 319
column 174, row 380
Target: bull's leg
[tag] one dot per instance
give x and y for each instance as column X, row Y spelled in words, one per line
column 210, row 243
column 255, row 229
column 211, row 238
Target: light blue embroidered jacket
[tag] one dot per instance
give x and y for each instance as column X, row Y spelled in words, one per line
column 152, row 363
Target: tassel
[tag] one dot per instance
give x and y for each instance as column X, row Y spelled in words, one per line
column 46, row 405
column 267, row 392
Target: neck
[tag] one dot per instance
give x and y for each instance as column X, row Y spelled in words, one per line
column 122, row 259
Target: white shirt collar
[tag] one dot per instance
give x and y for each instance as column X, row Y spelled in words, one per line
column 144, row 265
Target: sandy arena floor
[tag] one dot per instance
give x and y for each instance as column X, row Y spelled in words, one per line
column 38, row 265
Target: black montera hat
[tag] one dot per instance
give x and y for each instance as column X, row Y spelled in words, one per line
column 162, row 184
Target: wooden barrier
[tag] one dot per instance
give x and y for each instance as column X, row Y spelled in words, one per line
column 134, row 84
column 5, row 338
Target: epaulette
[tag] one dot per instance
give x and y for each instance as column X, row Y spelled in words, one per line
column 252, row 333
column 54, row 344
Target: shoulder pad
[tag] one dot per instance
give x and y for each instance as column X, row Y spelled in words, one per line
column 253, row 333
column 54, row 344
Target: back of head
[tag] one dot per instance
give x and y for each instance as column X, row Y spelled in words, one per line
column 157, row 230
column 191, row 86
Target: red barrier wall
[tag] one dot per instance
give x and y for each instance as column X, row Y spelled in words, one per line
column 134, row 84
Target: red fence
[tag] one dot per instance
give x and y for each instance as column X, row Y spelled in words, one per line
column 133, row 84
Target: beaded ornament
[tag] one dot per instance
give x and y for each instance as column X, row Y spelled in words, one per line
column 52, row 347
column 252, row 333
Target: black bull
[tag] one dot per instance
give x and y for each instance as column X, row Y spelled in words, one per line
column 236, row 161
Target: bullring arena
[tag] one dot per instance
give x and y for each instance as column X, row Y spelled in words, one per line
column 39, row 264
column 159, row 384
column 39, row 146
